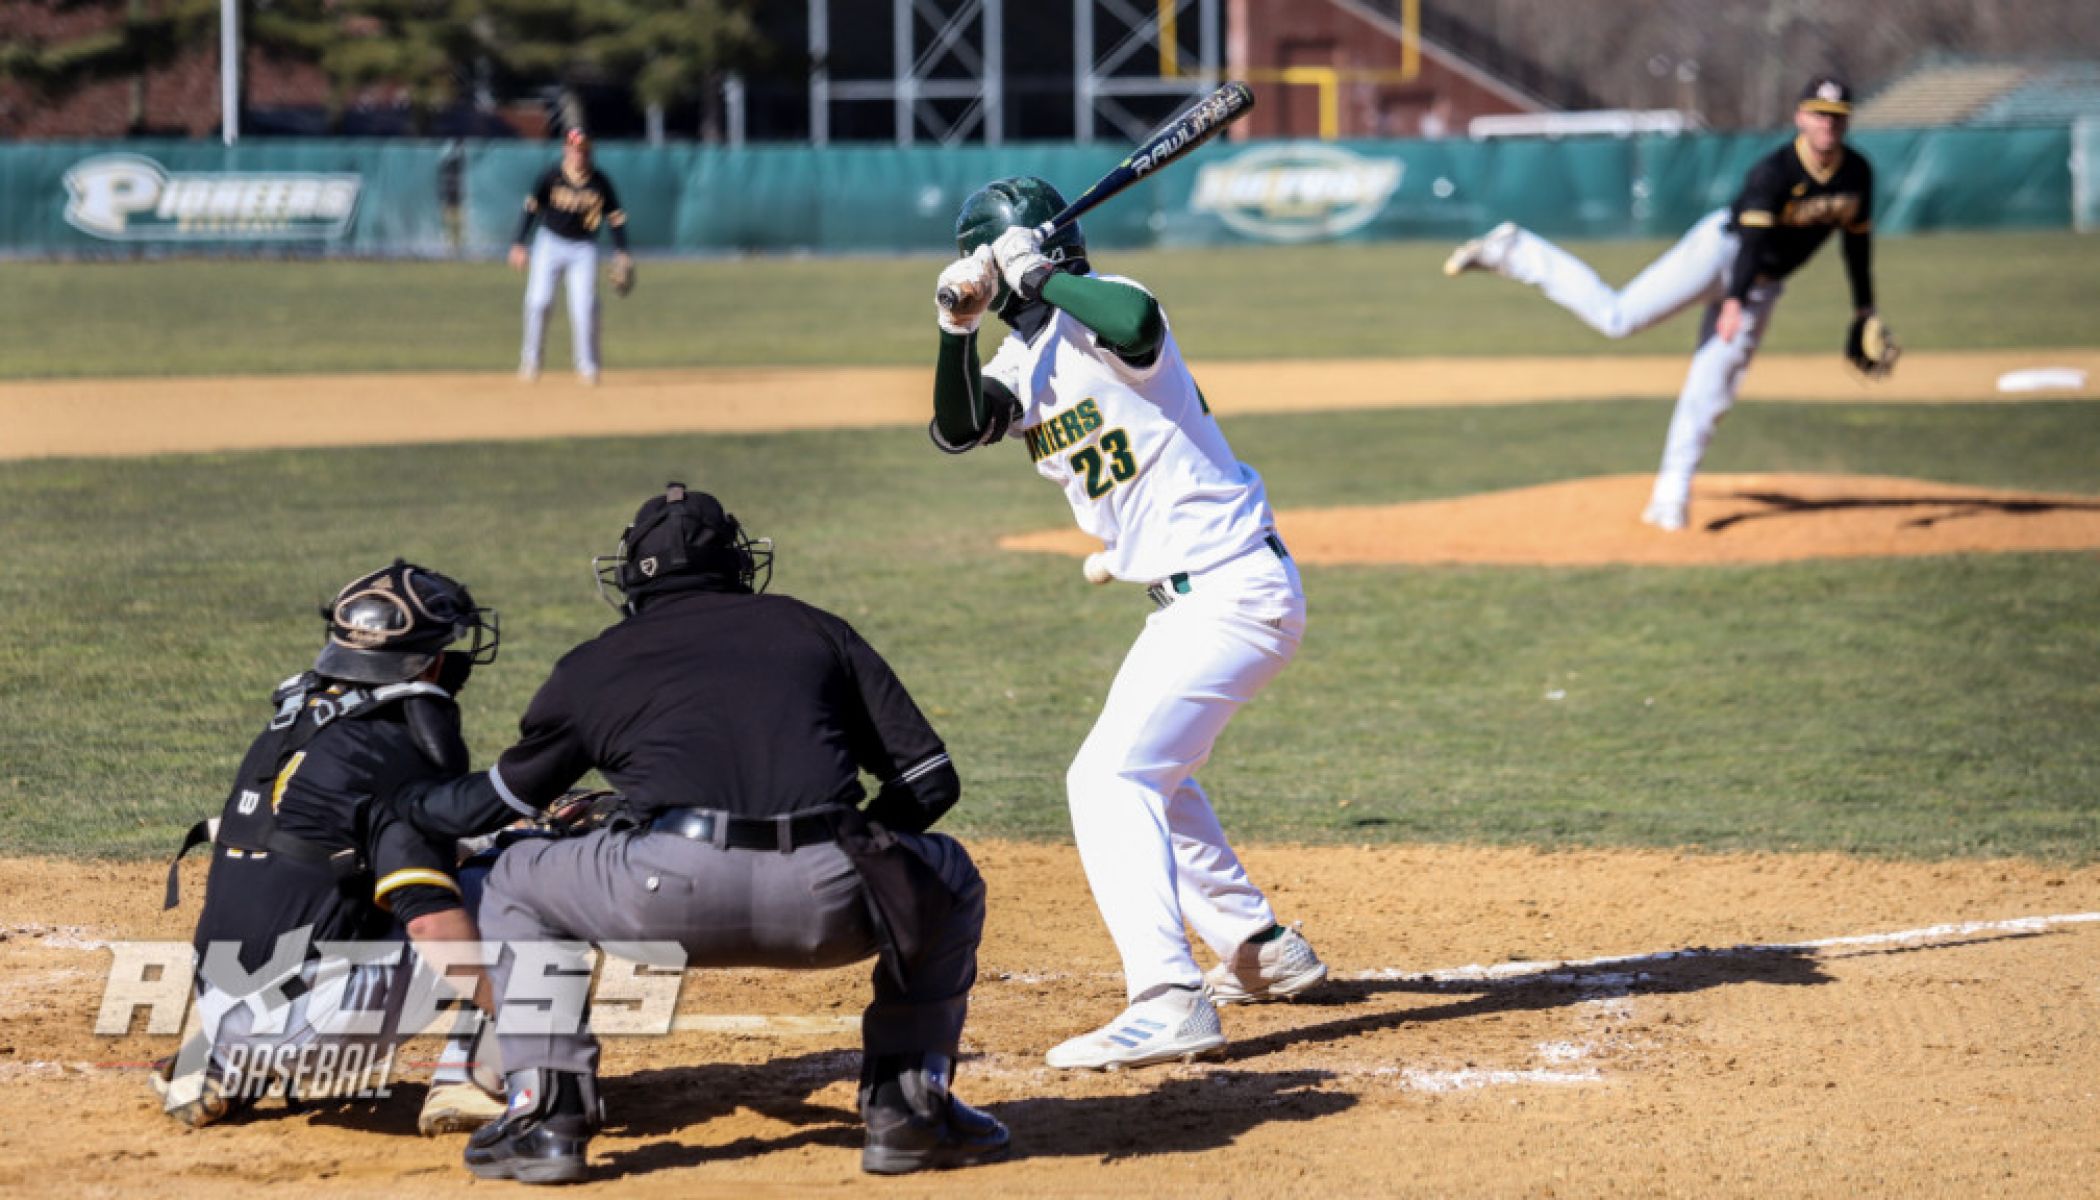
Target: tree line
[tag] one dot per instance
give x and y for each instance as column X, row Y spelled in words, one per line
column 426, row 55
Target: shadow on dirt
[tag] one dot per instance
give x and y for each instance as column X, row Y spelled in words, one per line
column 1178, row 1116
column 1182, row 1114
column 1955, row 508
column 1558, row 985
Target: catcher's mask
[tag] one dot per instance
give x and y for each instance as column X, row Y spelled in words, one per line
column 1022, row 201
column 390, row 625
column 682, row 540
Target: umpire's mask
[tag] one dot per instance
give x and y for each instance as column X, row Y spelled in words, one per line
column 682, row 541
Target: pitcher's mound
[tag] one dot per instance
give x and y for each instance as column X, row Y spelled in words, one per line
column 1734, row 519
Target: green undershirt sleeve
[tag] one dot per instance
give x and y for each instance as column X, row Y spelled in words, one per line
column 959, row 417
column 1125, row 318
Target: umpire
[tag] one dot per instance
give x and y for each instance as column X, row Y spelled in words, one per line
column 737, row 725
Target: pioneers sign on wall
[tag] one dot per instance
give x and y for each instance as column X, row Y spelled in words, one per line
column 1296, row 191
column 124, row 197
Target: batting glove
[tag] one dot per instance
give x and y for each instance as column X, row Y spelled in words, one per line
column 973, row 280
column 1019, row 253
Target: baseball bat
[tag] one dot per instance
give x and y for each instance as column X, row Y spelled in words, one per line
column 1196, row 125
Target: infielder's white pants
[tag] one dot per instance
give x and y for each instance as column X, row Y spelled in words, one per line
column 1693, row 271
column 1153, row 850
column 575, row 263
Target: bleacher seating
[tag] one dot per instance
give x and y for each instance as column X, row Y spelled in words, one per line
column 1947, row 94
column 2051, row 95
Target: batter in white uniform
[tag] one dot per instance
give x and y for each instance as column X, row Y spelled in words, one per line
column 1092, row 381
column 1735, row 262
column 570, row 201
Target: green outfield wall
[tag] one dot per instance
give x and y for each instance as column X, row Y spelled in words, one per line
column 429, row 199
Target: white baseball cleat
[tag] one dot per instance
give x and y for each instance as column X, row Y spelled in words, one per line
column 587, row 378
column 1179, row 1023
column 457, row 1108
column 1484, row 253
column 1278, row 969
column 528, row 374
column 1664, row 516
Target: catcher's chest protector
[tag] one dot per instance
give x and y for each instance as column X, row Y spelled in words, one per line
column 246, row 827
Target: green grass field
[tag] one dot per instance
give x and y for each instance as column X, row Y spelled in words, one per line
column 1920, row 707
column 202, row 317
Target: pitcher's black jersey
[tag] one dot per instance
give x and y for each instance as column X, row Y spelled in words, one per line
column 1787, row 209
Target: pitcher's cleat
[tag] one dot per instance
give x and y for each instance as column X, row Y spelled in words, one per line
column 1484, row 253
column 1667, row 517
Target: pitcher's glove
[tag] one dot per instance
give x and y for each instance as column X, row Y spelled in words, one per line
column 622, row 274
column 1870, row 346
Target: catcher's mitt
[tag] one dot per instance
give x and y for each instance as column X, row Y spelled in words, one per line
column 584, row 810
column 622, row 274
column 1870, row 347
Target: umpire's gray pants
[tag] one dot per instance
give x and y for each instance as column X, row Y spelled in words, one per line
column 727, row 908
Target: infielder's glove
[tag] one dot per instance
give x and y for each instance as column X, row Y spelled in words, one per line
column 622, row 274
column 974, row 280
column 1870, row 346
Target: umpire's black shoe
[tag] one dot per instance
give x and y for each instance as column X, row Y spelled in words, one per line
column 541, row 1138
column 914, row 1124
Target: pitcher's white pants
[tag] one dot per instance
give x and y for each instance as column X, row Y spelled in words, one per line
column 575, row 263
column 1693, row 271
column 1153, row 850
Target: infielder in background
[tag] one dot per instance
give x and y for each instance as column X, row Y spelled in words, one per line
column 1735, row 262
column 570, row 201
column 1092, row 380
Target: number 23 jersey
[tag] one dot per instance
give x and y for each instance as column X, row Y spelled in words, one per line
column 1139, row 455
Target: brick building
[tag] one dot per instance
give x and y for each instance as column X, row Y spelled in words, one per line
column 1332, row 67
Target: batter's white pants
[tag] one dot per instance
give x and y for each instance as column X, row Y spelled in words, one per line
column 575, row 263
column 1693, row 271
column 1153, row 850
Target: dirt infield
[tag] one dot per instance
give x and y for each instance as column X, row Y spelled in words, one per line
column 1503, row 1022
column 99, row 417
column 1712, row 1052
column 1735, row 519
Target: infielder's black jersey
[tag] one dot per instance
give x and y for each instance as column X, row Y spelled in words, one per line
column 337, row 792
column 751, row 704
column 1786, row 209
column 573, row 208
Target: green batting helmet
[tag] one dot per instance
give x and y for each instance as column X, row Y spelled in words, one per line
column 1023, row 200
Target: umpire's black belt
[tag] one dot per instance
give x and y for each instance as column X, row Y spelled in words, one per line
column 783, row 833
column 1177, row 585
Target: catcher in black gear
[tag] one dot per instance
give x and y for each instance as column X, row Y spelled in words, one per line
column 324, row 838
